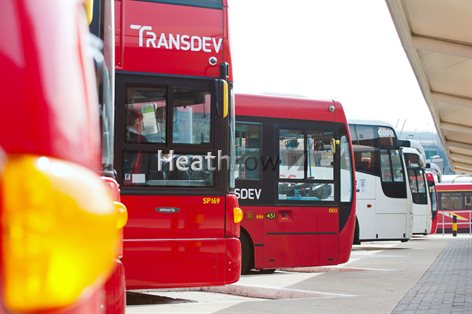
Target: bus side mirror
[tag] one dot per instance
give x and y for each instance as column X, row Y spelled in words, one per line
column 222, row 101
column 403, row 143
column 334, row 143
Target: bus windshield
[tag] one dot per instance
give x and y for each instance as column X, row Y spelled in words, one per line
column 154, row 112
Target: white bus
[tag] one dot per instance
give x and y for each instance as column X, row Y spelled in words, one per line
column 384, row 210
column 421, row 202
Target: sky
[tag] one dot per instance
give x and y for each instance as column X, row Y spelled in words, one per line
column 344, row 50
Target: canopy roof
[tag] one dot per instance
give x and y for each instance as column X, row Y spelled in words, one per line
column 437, row 38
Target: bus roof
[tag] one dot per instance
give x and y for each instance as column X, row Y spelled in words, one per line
column 457, row 178
column 454, row 187
column 289, row 108
column 370, row 122
column 410, row 150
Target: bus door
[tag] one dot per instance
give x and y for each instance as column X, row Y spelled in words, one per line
column 302, row 226
column 367, row 180
column 394, row 204
column 421, row 204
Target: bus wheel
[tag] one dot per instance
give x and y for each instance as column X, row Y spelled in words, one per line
column 266, row 271
column 356, row 234
column 247, row 253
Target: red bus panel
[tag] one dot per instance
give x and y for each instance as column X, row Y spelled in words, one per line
column 170, row 39
column 285, row 236
column 165, row 233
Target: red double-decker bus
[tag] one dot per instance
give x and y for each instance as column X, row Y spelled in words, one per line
column 295, row 182
column 455, row 199
column 173, row 143
column 50, row 158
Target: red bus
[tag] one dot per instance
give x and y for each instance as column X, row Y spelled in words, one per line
column 50, row 158
column 102, row 26
column 455, row 199
column 295, row 182
column 430, row 179
column 174, row 124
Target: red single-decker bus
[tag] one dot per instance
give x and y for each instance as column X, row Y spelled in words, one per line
column 295, row 181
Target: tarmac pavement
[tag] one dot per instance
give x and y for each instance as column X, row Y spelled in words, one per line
column 428, row 274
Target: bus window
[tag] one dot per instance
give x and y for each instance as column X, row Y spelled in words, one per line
column 397, row 168
column 192, row 117
column 365, row 135
column 179, row 170
column 451, row 201
column 135, row 165
column 292, row 153
column 421, row 182
column 150, row 105
column 385, row 166
column 413, row 181
column 434, row 198
column 346, row 170
column 320, row 155
column 366, row 160
column 248, row 151
column 391, row 166
column 300, row 172
column 417, row 186
column 306, row 191
column 467, row 200
column 386, row 136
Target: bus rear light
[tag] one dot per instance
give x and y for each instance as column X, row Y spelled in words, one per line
column 59, row 234
column 238, row 215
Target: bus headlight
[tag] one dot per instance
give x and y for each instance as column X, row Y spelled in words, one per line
column 238, row 215
column 60, row 232
column 122, row 212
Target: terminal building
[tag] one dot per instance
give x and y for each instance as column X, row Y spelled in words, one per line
column 433, row 147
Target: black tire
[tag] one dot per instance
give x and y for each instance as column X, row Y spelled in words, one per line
column 356, row 239
column 246, row 252
column 267, row 271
